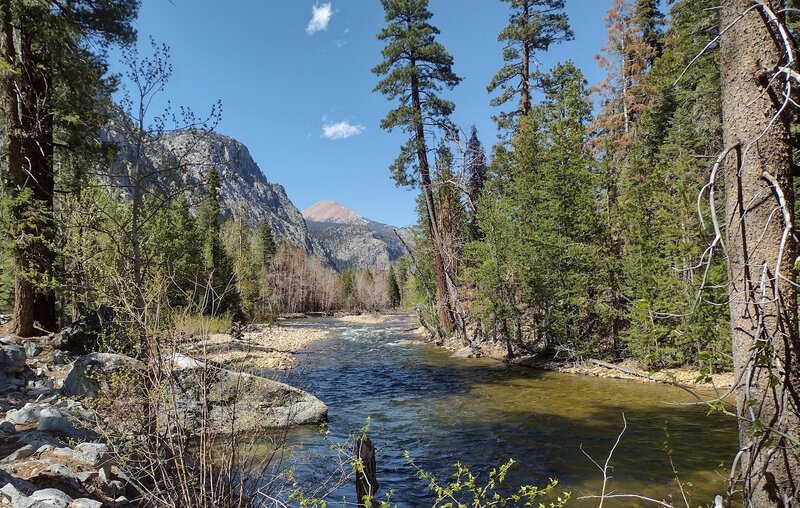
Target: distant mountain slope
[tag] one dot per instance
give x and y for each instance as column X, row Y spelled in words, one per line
column 244, row 187
column 333, row 212
column 353, row 241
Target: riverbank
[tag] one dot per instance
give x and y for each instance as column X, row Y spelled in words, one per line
column 687, row 377
column 260, row 346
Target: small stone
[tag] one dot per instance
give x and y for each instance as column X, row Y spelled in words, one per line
column 95, row 454
column 10, row 492
column 8, row 427
column 61, row 470
column 26, row 414
column 115, row 487
column 23, row 453
column 86, row 503
column 87, row 476
column 465, row 352
column 32, row 349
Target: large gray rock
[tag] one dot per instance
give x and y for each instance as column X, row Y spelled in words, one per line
column 93, row 373
column 466, row 352
column 252, row 402
column 12, row 357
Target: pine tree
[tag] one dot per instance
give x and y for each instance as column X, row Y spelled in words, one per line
column 475, row 162
column 222, row 291
column 393, row 289
column 658, row 185
column 650, row 20
column 415, row 68
column 49, row 68
column 533, row 26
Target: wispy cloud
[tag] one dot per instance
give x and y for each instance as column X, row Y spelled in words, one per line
column 341, row 130
column 320, row 17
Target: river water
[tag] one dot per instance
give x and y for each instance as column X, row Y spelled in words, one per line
column 481, row 412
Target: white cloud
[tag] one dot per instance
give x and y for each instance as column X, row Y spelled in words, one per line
column 320, row 17
column 341, row 130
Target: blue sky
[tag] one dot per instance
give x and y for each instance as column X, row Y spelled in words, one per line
column 289, row 72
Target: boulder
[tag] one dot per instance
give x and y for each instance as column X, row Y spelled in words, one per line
column 465, row 352
column 92, row 374
column 83, row 335
column 86, row 503
column 29, row 413
column 50, row 498
column 12, row 357
column 262, row 403
column 22, row 453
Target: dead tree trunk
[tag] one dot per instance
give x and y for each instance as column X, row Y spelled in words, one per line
column 762, row 250
column 366, row 476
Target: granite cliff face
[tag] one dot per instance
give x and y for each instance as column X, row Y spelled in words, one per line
column 353, row 241
column 339, row 236
column 244, row 190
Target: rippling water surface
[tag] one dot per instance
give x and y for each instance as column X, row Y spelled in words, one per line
column 482, row 412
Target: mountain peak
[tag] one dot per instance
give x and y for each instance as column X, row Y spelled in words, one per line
column 331, row 211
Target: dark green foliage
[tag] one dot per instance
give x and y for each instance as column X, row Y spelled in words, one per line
column 532, row 27
column 650, row 20
column 413, row 59
column 537, row 266
column 475, row 174
column 671, row 319
column 222, row 294
column 393, row 289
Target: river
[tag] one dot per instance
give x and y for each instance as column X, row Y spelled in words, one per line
column 482, row 412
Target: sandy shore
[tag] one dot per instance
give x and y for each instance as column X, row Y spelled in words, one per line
column 365, row 319
column 261, row 346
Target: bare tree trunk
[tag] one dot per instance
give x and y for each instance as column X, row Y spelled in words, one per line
column 525, row 78
column 762, row 248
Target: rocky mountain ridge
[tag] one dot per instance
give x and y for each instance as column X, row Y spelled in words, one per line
column 353, row 241
column 339, row 236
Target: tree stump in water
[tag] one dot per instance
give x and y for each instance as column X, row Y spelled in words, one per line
column 366, row 478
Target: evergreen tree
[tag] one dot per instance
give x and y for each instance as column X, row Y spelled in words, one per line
column 533, row 26
column 536, row 269
column 415, row 68
column 180, row 242
column 393, row 289
column 650, row 20
column 475, row 162
column 222, row 294
column 53, row 60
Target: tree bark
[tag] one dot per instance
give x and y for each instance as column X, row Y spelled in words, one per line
column 763, row 300
column 29, row 176
column 525, row 79
column 442, row 292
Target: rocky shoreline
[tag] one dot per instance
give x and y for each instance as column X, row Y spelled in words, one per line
column 52, row 449
column 686, row 377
